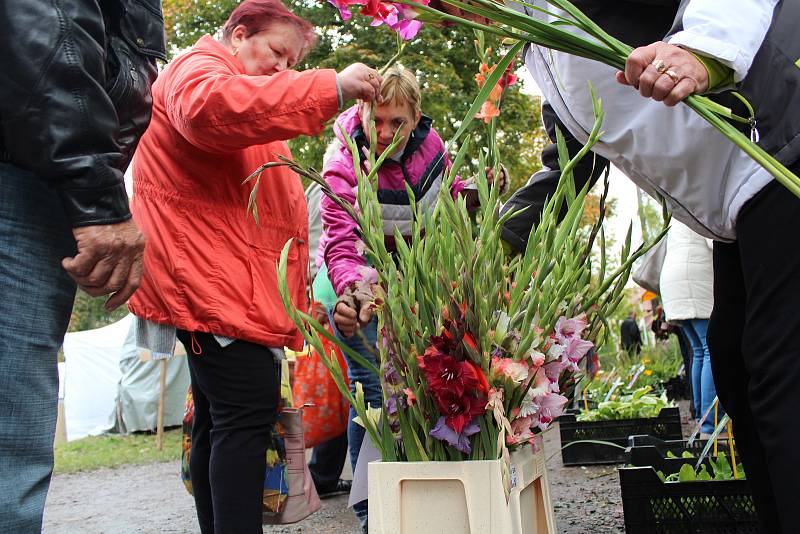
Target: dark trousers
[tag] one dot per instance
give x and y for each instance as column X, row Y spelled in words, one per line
column 327, row 462
column 754, row 336
column 236, row 393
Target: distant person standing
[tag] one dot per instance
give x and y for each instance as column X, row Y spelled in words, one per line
column 687, row 289
column 630, row 335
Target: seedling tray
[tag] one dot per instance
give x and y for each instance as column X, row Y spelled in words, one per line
column 707, row 507
column 666, row 426
column 646, row 451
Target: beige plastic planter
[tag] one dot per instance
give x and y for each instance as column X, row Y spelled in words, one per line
column 461, row 497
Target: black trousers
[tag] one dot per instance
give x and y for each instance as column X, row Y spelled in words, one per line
column 327, row 462
column 236, row 392
column 754, row 337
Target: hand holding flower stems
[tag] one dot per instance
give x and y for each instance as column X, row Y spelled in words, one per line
column 359, row 81
column 355, row 308
column 665, row 73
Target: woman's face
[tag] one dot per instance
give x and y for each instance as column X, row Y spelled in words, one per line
column 389, row 117
column 277, row 48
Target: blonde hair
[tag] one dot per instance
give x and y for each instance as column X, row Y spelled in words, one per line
column 400, row 85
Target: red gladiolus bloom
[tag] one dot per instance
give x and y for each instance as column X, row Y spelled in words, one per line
column 459, row 410
column 483, row 382
column 470, row 341
column 446, row 374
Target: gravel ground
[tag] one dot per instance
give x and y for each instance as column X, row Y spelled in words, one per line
column 151, row 499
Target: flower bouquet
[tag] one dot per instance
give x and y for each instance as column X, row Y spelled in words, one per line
column 473, row 345
column 472, row 342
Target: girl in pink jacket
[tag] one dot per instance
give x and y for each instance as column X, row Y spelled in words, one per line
column 421, row 161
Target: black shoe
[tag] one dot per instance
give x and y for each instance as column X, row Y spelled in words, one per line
column 342, row 487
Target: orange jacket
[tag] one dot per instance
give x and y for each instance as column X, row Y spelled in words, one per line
column 208, row 266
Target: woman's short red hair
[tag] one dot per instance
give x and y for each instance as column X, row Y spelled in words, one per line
column 257, row 16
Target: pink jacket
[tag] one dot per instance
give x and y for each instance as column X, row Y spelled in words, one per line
column 422, row 164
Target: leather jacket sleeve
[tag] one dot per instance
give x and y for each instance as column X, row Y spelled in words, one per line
column 75, row 95
column 542, row 185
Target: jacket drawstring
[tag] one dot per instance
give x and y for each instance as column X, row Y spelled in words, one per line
column 196, row 348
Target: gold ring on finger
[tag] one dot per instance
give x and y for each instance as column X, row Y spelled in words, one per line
column 660, row 66
column 674, row 75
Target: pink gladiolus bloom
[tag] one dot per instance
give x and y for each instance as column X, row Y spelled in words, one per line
column 410, row 12
column 361, row 247
column 407, row 28
column 537, row 359
column 567, row 329
column 550, row 407
column 381, row 12
column 577, row 349
column 344, row 7
column 522, row 430
column 570, row 328
column 541, row 384
column 516, row 371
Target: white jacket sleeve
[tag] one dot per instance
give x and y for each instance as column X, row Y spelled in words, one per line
column 730, row 31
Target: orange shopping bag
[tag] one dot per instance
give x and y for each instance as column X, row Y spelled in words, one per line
column 327, row 413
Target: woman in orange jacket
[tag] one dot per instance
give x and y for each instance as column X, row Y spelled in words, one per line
column 219, row 111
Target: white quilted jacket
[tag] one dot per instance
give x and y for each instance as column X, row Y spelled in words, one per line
column 687, row 287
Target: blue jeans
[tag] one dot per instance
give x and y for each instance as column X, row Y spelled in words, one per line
column 36, row 297
column 703, row 391
column 372, row 391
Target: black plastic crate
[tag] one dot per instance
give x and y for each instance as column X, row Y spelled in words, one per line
column 707, row 507
column 651, row 451
column 666, row 426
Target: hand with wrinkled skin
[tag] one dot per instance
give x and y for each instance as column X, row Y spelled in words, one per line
column 319, row 313
column 354, row 309
column 361, row 82
column 641, row 74
column 503, row 182
column 109, row 261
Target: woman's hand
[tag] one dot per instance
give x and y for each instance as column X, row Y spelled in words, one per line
column 360, row 82
column 502, row 182
column 664, row 72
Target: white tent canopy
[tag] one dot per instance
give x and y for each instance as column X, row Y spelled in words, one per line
column 107, row 386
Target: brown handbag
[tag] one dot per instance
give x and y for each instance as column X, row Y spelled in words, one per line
column 303, row 499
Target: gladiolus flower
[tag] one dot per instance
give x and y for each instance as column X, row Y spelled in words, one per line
column 496, row 93
column 445, row 373
column 522, row 430
column 459, row 410
column 567, row 329
column 459, row 440
column 487, row 112
column 508, row 368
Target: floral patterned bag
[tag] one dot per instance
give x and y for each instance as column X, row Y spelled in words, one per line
column 325, row 411
column 276, row 480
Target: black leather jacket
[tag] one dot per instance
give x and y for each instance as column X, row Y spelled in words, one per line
column 75, row 80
